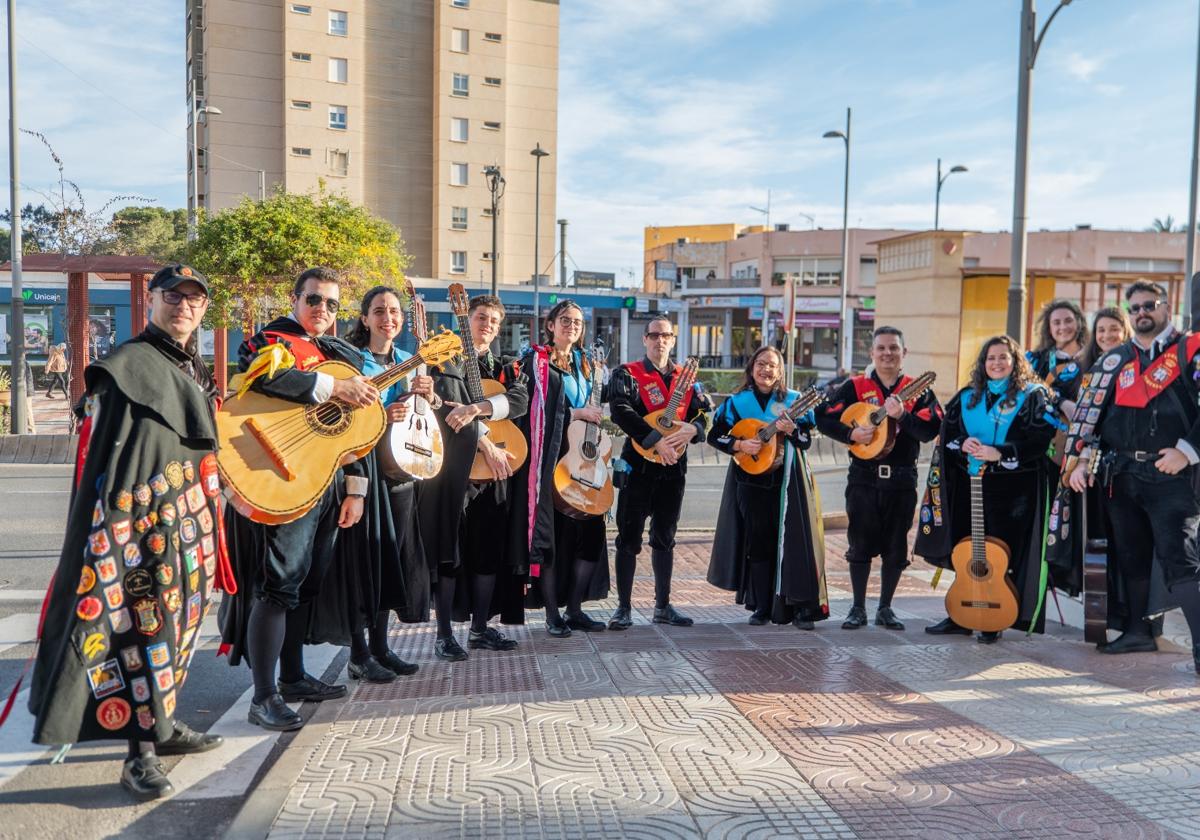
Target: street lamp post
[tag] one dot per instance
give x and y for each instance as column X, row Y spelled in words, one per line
column 1031, row 42
column 846, row 329
column 941, row 179
column 197, row 110
column 538, row 153
column 495, row 182
column 17, row 384
column 1190, row 297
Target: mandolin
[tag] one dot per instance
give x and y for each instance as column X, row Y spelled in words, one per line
column 982, row 596
column 278, row 457
column 503, row 434
column 875, row 416
column 770, row 456
column 412, row 448
column 583, row 484
column 666, row 420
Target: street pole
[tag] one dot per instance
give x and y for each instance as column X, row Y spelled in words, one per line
column 562, row 253
column 496, row 188
column 1190, row 295
column 1015, row 325
column 17, row 386
column 937, row 199
column 538, row 153
column 262, row 185
column 847, row 329
column 194, row 215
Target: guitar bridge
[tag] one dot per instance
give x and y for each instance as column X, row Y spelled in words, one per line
column 591, row 485
column 980, row 605
column 420, row 450
column 272, row 451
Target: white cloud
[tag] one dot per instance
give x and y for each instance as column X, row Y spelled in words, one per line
column 1081, row 67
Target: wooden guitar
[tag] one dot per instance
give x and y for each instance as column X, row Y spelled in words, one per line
column 278, row 457
column 982, row 597
column 503, row 434
column 875, row 417
column 1095, row 572
column 583, row 484
column 412, row 448
column 770, row 456
column 666, row 420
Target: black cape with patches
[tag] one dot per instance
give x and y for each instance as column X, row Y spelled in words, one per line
column 138, row 562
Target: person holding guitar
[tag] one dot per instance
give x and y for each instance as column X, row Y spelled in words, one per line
column 567, row 554
column 998, row 421
column 652, row 491
column 769, row 544
column 881, row 493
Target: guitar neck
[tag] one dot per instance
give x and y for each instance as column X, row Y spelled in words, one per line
column 474, row 384
column 802, row 404
column 393, row 374
column 978, row 535
column 910, row 391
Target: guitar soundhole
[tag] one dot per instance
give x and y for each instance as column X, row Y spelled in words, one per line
column 589, row 450
column 328, row 418
column 980, row 570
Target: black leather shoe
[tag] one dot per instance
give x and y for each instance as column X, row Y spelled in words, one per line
column 988, row 637
column 309, row 687
column 857, row 617
column 672, row 616
column 622, row 619
column 397, row 665
column 583, row 621
column 947, row 627
column 558, row 628
column 145, row 778
column 449, row 649
column 757, row 620
column 1129, row 643
column 803, row 624
column 885, row 617
column 491, row 639
column 370, row 670
column 274, row 714
column 185, row 741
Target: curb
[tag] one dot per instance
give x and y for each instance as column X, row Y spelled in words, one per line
column 38, row 449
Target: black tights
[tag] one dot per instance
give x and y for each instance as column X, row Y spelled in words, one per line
column 275, row 636
column 482, row 587
column 889, row 579
column 376, row 642
column 140, row 748
column 762, row 587
column 584, row 569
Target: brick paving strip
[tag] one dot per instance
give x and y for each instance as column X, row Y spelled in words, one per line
column 726, row 730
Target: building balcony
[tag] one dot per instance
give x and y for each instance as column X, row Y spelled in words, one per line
column 708, row 285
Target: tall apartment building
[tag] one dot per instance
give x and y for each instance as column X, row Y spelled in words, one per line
column 399, row 104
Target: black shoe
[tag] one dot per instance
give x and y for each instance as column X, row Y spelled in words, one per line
column 309, row 687
column 757, row 620
column 885, row 617
column 1129, row 643
column 492, row 639
column 857, row 617
column 803, row 624
column 988, row 637
column 947, row 627
column 370, row 670
column 185, row 741
column 449, row 649
column 274, row 714
column 672, row 616
column 145, row 778
column 558, row 628
column 397, row 665
column 583, row 621
column 622, row 619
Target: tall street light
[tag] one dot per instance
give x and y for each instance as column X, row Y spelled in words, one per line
column 1031, row 42
column 197, row 111
column 941, row 179
column 495, row 182
column 17, row 384
column 847, row 331
column 538, row 153
column 1190, row 298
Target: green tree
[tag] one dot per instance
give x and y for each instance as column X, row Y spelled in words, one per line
column 40, row 228
column 1165, row 225
column 149, row 231
column 253, row 252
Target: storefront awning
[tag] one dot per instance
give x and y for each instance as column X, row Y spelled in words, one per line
column 810, row 319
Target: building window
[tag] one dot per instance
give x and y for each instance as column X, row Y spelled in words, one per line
column 458, row 218
column 487, row 211
column 462, row 83
column 460, row 40
column 458, row 262
column 339, row 24
column 461, row 4
column 970, row 262
column 301, row 104
column 494, row 37
column 458, row 174
column 458, row 130
column 337, row 117
column 1142, row 264
column 301, row 151
column 867, row 270
column 491, row 126
column 301, row 56
column 491, row 81
column 301, row 9
column 487, row 256
column 339, row 70
column 338, row 160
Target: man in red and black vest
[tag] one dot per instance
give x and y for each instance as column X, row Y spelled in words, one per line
column 881, row 494
column 652, row 491
column 1140, row 401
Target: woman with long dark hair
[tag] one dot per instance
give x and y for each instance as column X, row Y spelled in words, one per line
column 1058, row 360
column 1110, row 328
column 769, row 544
column 570, row 555
column 999, row 422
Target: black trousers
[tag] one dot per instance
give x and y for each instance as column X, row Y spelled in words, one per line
column 658, row 497
column 880, row 518
column 1155, row 516
column 297, row 554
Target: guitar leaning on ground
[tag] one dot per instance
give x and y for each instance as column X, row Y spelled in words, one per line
column 863, row 414
column 413, row 447
column 667, row 420
column 982, row 596
column 583, row 484
column 770, row 456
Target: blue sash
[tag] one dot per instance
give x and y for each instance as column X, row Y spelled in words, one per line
column 576, row 387
column 991, row 425
column 745, row 403
column 372, row 367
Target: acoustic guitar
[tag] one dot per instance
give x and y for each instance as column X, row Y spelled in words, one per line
column 666, row 420
column 278, row 457
column 583, row 484
column 982, row 597
column 1095, row 572
column 503, row 434
column 770, row 456
column 863, row 414
column 412, row 448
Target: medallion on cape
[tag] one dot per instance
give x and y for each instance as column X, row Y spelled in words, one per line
column 991, row 425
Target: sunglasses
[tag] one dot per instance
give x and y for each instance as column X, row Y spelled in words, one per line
column 194, row 300
column 1135, row 308
column 654, row 335
column 314, row 300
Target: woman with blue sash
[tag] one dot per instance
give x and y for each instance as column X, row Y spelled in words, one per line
column 997, row 422
column 769, row 544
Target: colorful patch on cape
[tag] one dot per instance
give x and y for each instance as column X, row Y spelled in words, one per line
column 159, row 654
column 191, row 560
column 142, row 494
column 164, row 679
column 175, row 540
column 1110, row 362
column 120, row 620
column 194, row 581
column 114, row 597
column 193, row 610
column 121, row 531
column 173, row 599
column 207, row 546
column 189, row 471
column 210, row 565
column 133, row 555
column 209, row 476
column 131, row 658
column 87, row 579
column 113, row 714
column 158, row 485
column 205, row 519
column 105, row 679
column 138, row 583
column 94, row 646
column 168, row 703
column 145, row 717
column 187, row 529
column 1128, row 375
column 98, row 543
column 156, row 542
column 164, row 573
column 195, row 498
column 139, row 687
column 143, row 524
column 89, row 608
column 166, row 514
column 123, row 501
column 174, row 474
column 97, row 515
column 147, row 616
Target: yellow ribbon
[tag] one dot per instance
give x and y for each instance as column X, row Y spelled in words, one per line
column 270, row 360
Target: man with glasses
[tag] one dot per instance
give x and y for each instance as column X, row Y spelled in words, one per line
column 1139, row 405
column 280, row 567
column 651, row 491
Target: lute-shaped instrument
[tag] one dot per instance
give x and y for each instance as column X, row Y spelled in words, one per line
column 666, row 420
column 863, row 414
column 770, row 456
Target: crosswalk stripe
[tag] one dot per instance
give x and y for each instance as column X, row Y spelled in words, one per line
column 17, row 629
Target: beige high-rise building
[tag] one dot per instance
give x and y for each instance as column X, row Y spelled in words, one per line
column 399, row 104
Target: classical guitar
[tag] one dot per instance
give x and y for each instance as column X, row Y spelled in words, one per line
column 1095, row 571
column 666, row 420
column 503, row 434
column 583, row 484
column 875, row 417
column 412, row 448
column 770, row 456
column 982, row 597
column 277, row 457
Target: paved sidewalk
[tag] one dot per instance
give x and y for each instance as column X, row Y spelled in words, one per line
column 727, row 730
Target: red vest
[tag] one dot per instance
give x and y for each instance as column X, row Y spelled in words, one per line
column 653, row 390
column 1135, row 388
column 307, row 354
column 867, row 390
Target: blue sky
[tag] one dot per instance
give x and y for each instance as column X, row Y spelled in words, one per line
column 688, row 111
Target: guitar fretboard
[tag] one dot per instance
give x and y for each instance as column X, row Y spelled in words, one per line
column 809, row 399
column 474, row 383
column 910, row 391
column 978, row 535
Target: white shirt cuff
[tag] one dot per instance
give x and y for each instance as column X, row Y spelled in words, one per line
column 356, row 485
column 1188, row 450
column 323, row 390
column 499, row 407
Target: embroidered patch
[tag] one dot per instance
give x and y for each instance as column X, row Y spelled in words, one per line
column 142, row 494
column 207, row 547
column 205, row 519
column 194, row 581
column 164, row 679
column 164, row 573
column 195, row 498
column 1126, row 378
column 158, row 485
column 1110, row 362
column 187, row 530
column 105, row 678
column 175, row 540
column 143, row 524
column 97, row 515
column 173, row 599
column 87, row 579
column 189, row 472
column 98, row 542
column 138, row 583
column 123, row 501
column 174, row 474
column 191, row 557
column 94, row 646
column 121, row 531
column 209, row 476
column 131, row 658
column 89, row 608
column 1103, row 381
column 193, row 610
column 1093, row 415
column 133, row 555
column 166, row 514
column 145, row 717
column 113, row 714
column 210, row 565
column 140, row 688
column 148, row 616
column 159, row 654
column 113, row 596
column 168, row 703
column 156, row 542
column 120, row 620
